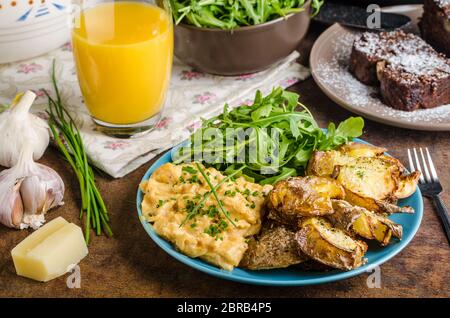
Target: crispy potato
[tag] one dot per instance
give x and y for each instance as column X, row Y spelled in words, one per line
column 376, row 182
column 370, row 178
column 274, row 247
column 378, row 206
column 330, row 246
column 298, row 197
column 357, row 149
column 407, row 185
column 322, row 163
column 364, row 223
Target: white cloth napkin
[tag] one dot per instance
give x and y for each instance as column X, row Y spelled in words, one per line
column 192, row 95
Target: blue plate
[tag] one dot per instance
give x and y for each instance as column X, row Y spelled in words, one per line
column 290, row 276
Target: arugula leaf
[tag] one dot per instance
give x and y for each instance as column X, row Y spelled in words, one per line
column 292, row 100
column 263, row 111
column 302, row 157
column 285, row 173
column 294, row 127
column 351, row 127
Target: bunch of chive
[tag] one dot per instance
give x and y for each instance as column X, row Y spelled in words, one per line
column 70, row 144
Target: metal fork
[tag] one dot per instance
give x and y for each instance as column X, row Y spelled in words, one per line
column 429, row 184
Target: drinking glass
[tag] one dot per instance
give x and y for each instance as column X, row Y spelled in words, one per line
column 123, row 55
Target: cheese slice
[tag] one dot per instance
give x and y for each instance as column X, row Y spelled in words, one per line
column 51, row 251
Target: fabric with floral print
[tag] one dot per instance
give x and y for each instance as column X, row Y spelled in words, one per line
column 204, row 98
column 192, row 95
column 29, row 68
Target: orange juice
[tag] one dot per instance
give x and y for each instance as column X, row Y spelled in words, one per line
column 123, row 54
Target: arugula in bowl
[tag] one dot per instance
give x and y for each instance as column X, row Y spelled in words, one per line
column 231, row 14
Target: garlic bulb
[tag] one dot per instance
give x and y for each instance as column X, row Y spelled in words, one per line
column 27, row 191
column 18, row 127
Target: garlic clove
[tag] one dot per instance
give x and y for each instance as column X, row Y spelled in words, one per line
column 16, row 209
column 33, row 195
column 50, row 201
column 11, row 207
column 18, row 127
column 42, row 191
column 54, row 187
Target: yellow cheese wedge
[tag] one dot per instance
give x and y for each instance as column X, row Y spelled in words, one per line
column 51, row 251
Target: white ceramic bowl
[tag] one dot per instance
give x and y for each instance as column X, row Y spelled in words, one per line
column 36, row 26
column 34, row 45
column 34, row 32
column 30, row 28
column 19, row 13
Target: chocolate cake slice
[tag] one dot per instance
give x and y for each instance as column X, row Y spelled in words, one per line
column 421, row 80
column 411, row 74
column 372, row 48
column 435, row 24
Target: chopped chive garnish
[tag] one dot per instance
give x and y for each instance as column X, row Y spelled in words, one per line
column 206, row 196
column 213, row 190
column 189, row 169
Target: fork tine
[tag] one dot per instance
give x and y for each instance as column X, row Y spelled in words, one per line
column 411, row 163
column 416, row 157
column 432, row 168
column 425, row 167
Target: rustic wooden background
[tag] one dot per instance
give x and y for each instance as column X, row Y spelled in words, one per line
column 131, row 265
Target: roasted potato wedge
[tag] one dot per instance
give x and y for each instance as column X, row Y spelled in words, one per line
column 327, row 245
column 274, row 247
column 357, row 149
column 407, row 185
column 370, row 178
column 364, row 223
column 322, row 163
column 298, row 197
column 378, row 206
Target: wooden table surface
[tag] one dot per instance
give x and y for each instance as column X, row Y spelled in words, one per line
column 131, row 265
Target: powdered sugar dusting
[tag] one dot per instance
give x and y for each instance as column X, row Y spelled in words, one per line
column 333, row 73
column 442, row 3
column 405, row 52
column 421, row 64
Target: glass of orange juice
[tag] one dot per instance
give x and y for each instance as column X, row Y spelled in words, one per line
column 123, row 54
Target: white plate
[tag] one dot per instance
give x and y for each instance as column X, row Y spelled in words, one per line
column 329, row 65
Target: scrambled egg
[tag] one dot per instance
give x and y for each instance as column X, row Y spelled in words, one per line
column 172, row 195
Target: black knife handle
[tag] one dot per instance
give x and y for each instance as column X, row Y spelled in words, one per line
column 443, row 215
